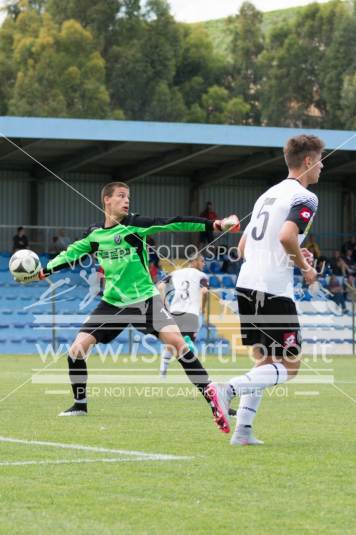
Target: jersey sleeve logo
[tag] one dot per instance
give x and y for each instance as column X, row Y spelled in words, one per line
column 305, row 214
column 289, row 340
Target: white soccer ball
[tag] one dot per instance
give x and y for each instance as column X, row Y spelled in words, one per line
column 24, row 264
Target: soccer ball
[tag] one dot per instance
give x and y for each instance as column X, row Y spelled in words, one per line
column 24, row 264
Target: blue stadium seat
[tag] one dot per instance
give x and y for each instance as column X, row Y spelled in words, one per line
column 214, row 282
column 215, row 267
column 228, row 281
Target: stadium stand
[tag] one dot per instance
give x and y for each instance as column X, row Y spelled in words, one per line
column 27, row 320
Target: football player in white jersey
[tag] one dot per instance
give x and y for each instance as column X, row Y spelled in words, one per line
column 185, row 293
column 271, row 247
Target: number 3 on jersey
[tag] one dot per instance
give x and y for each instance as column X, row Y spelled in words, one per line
column 263, row 213
column 184, row 295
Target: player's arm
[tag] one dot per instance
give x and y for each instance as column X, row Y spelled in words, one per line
column 146, row 225
column 204, row 288
column 241, row 245
column 204, row 299
column 70, row 256
column 289, row 239
column 64, row 259
column 162, row 287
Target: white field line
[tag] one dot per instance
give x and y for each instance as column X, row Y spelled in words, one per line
column 154, row 370
column 119, row 379
column 306, row 393
column 57, row 392
column 79, row 461
column 139, row 454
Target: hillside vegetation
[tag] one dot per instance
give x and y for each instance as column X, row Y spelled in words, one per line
column 126, row 59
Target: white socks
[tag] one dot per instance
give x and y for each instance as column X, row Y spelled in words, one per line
column 259, row 378
column 165, row 360
column 248, row 407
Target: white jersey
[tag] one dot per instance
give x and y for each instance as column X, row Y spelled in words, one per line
column 267, row 267
column 186, row 285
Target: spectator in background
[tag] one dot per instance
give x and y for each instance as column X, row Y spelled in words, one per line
column 350, row 244
column 338, row 266
column 312, row 246
column 20, row 240
column 63, row 240
column 350, row 288
column 208, row 213
column 337, row 291
column 349, row 260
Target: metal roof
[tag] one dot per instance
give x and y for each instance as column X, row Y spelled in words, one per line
column 135, row 150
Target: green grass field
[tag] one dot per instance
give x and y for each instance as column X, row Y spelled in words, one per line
column 302, row 481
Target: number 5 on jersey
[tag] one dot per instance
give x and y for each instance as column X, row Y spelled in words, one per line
column 269, row 201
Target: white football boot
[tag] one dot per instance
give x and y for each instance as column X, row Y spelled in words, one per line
column 243, row 436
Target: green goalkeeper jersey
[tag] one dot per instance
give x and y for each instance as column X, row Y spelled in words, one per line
column 121, row 251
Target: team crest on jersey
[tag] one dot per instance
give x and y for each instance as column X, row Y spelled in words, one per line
column 305, row 214
column 117, row 239
column 289, row 340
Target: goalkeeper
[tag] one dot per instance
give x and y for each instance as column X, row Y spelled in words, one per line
column 130, row 298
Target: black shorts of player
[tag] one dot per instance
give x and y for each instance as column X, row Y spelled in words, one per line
column 188, row 323
column 269, row 321
column 106, row 322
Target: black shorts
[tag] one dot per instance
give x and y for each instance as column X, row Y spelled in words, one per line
column 106, row 322
column 188, row 323
column 269, row 321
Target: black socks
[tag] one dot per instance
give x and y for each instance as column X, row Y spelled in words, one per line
column 194, row 370
column 78, row 376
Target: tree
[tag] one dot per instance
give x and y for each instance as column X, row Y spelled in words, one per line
column 247, row 43
column 97, row 17
column 339, row 62
column 292, row 67
column 7, row 67
column 214, row 103
column 348, row 102
column 166, row 105
column 198, row 66
column 237, row 111
column 59, row 72
column 142, row 68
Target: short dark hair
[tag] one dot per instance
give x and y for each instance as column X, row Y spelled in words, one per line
column 19, row 228
column 298, row 147
column 109, row 189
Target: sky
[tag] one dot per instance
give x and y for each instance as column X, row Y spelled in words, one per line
column 199, row 10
